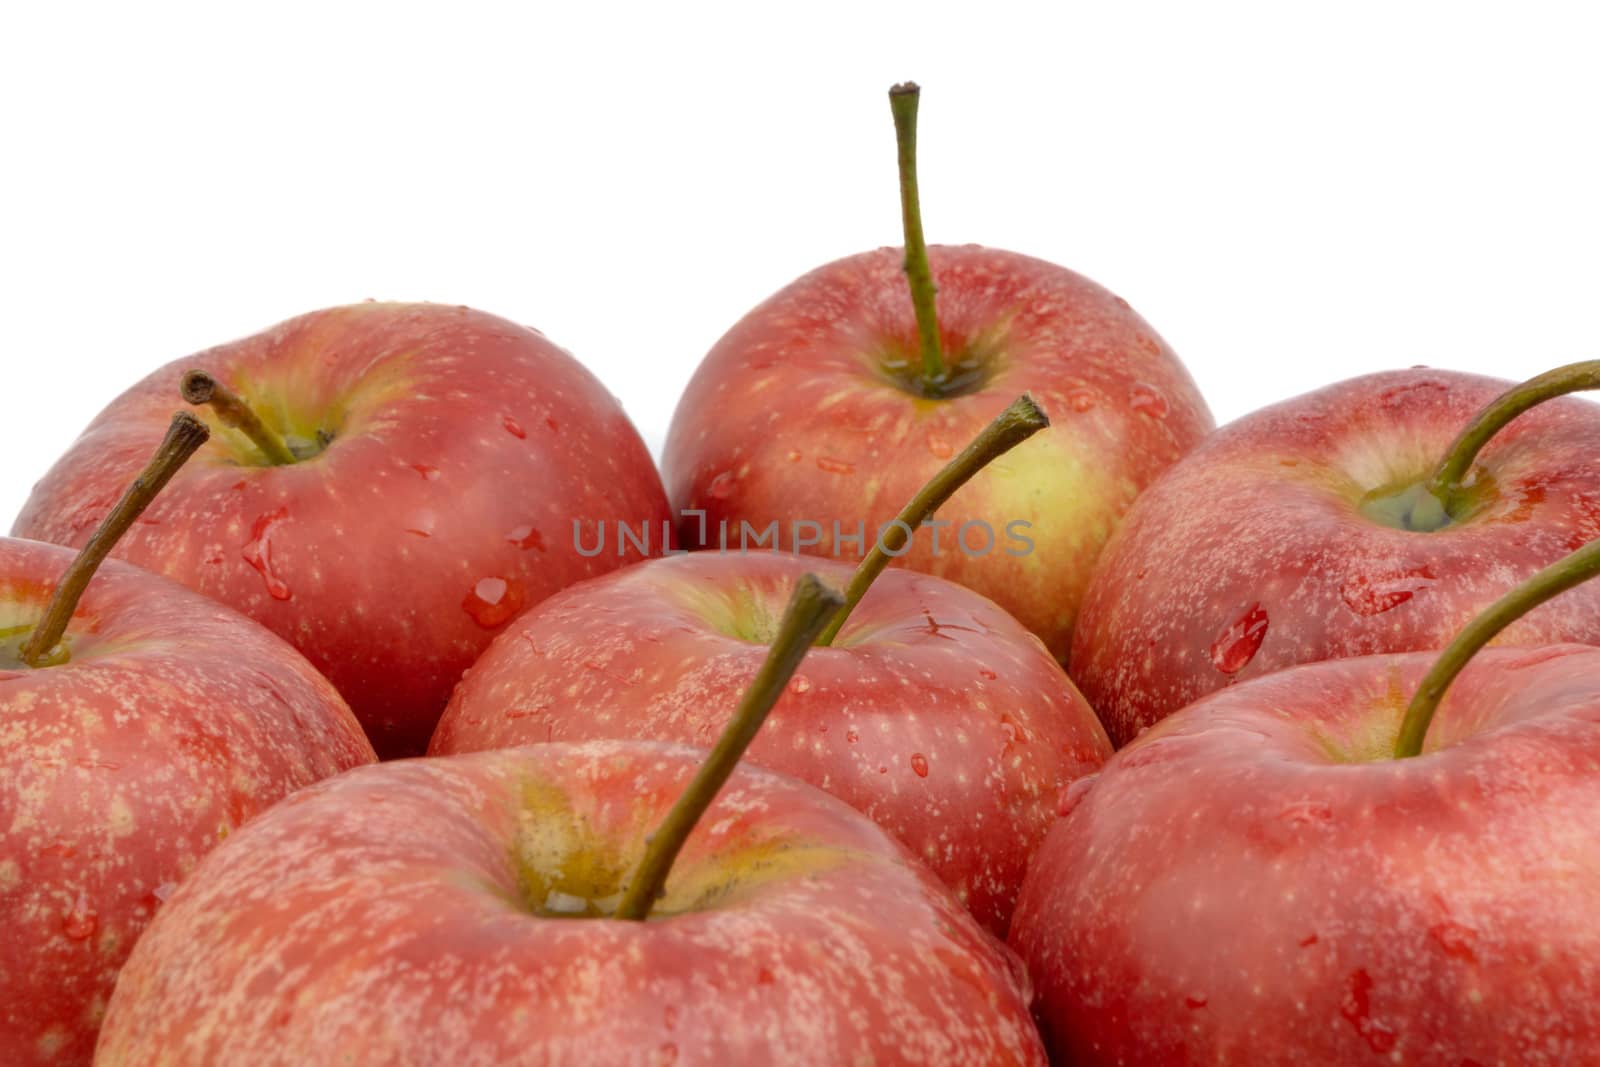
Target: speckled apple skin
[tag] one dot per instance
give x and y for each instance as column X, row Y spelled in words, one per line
column 788, row 418
column 469, row 447
column 1259, row 526
column 1226, row 891
column 378, row 919
column 934, row 712
column 174, row 721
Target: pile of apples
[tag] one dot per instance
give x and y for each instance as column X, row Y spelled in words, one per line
column 1153, row 744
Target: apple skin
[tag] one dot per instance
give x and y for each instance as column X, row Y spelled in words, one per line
column 387, row 917
column 791, row 417
column 934, row 712
column 1255, row 880
column 174, row 721
column 1255, row 540
column 466, row 446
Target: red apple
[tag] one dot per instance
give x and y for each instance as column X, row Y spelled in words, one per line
column 1257, row 880
column 162, row 723
column 934, row 712
column 813, row 413
column 444, row 457
column 433, row 912
column 1277, row 541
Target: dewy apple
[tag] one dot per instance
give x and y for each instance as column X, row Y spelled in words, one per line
column 1375, row 515
column 140, row 724
column 1329, row 865
column 387, row 487
column 524, row 907
column 840, row 395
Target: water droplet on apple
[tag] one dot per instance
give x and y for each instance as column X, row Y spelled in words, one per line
column 1401, row 396
column 1146, row 399
column 81, row 922
column 1014, row 734
column 793, row 456
column 1073, row 794
column 721, row 486
column 1081, row 400
column 1308, row 940
column 1305, row 811
column 428, row 473
column 1196, row 1001
column 1356, row 1008
column 939, row 447
column 258, row 552
column 851, row 735
column 802, row 684
column 1456, row 939
column 666, row 1055
column 919, row 764
column 513, row 427
column 526, row 537
column 985, row 672
column 1369, row 595
column 1237, row 645
column 493, row 601
column 834, row 466
column 558, row 903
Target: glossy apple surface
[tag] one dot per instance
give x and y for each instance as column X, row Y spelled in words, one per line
column 1257, row 880
column 808, row 411
column 172, row 721
column 934, row 712
column 423, row 912
column 1254, row 552
column 460, row 450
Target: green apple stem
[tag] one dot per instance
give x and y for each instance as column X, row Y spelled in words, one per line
column 201, row 388
column 903, row 101
column 809, row 607
column 184, row 436
column 1557, row 578
column 1457, row 461
column 1018, row 422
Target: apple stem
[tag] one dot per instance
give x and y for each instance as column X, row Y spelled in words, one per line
column 1557, row 578
column 184, row 436
column 1018, row 422
column 1458, row 458
column 201, row 388
column 903, row 101
column 809, row 607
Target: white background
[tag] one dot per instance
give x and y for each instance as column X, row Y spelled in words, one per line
column 1290, row 193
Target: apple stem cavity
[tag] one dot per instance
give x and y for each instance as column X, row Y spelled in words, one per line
column 1557, row 578
column 200, row 388
column 184, row 437
column 1019, row 421
column 810, row 606
column 1452, row 470
column 903, row 100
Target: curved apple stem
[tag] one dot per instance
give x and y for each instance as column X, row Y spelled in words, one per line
column 1011, row 427
column 201, row 388
column 809, row 607
column 1572, row 378
column 184, row 437
column 903, row 100
column 1560, row 576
